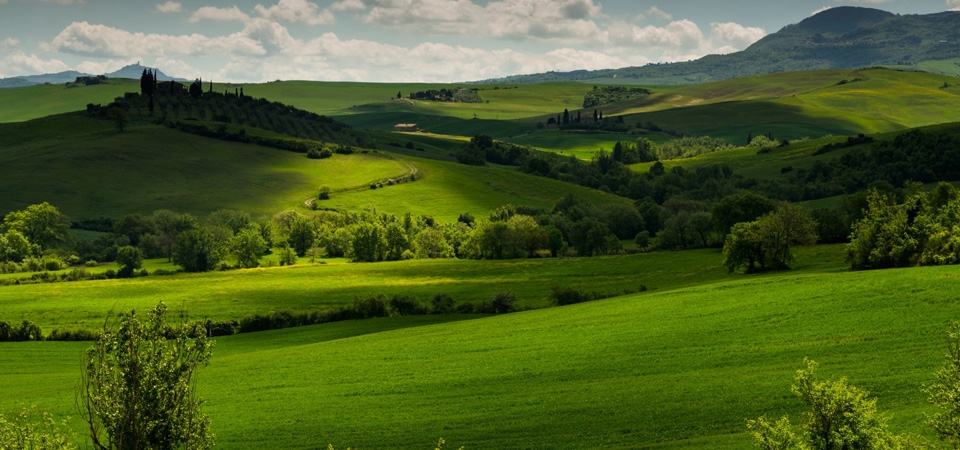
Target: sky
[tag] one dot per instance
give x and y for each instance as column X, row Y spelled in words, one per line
column 388, row 40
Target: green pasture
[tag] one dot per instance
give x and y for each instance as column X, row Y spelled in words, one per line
column 582, row 144
column 105, row 173
column 450, row 189
column 667, row 369
column 310, row 287
column 27, row 103
column 90, row 170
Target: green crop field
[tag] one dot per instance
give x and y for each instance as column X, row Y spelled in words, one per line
column 669, row 369
column 233, row 294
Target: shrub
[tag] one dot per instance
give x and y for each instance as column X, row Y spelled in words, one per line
column 406, row 305
column 22, row 432
column 466, row 308
column 221, row 328
column 500, row 303
column 75, row 335
column 370, row 307
column 561, row 296
column 442, row 304
column 91, row 263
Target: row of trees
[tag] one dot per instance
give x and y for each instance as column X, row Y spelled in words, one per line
column 914, row 228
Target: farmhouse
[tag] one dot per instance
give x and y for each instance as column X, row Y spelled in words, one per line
column 408, row 127
column 171, row 88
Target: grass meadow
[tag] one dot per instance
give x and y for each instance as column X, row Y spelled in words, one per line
column 310, row 287
column 665, row 369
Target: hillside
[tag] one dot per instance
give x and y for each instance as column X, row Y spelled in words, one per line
column 841, row 37
column 154, row 167
column 672, row 370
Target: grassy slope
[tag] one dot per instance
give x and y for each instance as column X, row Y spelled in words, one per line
column 231, row 295
column 27, row 103
column 90, row 170
column 677, row 369
column 796, row 104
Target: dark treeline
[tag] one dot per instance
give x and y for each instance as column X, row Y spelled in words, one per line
column 228, row 108
column 448, row 95
column 610, row 94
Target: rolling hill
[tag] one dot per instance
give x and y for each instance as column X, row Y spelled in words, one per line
column 841, row 37
column 672, row 369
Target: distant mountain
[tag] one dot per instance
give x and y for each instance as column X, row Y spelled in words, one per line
column 838, row 38
column 31, row 80
column 135, row 70
column 132, row 71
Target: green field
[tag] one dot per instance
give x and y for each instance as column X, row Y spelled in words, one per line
column 153, row 167
column 305, row 287
column 668, row 369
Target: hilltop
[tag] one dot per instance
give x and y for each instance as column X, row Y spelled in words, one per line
column 838, row 38
column 132, row 71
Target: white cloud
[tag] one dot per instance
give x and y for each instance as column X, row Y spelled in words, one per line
column 954, row 5
column 296, row 11
column 820, row 10
column 9, row 43
column 169, row 7
column 348, row 5
column 658, row 13
column 327, row 57
column 19, row 63
column 63, row 2
column 219, row 14
column 100, row 40
column 736, row 35
column 543, row 20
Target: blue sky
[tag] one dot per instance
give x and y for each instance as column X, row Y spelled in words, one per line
column 388, row 40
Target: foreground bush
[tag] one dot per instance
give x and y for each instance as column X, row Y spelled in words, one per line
column 21, row 432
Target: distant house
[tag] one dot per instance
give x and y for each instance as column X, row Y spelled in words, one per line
column 171, row 88
column 408, row 127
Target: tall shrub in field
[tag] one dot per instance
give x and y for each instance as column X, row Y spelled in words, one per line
column 248, row 245
column 137, row 390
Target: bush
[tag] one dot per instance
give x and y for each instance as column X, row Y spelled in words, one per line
column 561, row 296
column 221, row 328
column 500, row 303
column 75, row 335
column 442, row 304
column 405, row 305
column 91, row 263
column 465, row 308
column 23, row 432
column 370, row 307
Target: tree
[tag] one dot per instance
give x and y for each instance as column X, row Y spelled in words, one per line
column 14, row 246
column 119, row 117
column 196, row 88
column 527, row 235
column 566, row 117
column 740, row 207
column 397, row 241
column 944, row 392
column 431, row 243
column 129, row 258
column 301, row 236
column 198, row 250
column 840, row 417
column 742, row 247
column 767, row 240
column 137, row 389
column 248, row 245
column 133, row 226
column 40, row 224
column 888, row 234
column 369, row 243
column 787, row 225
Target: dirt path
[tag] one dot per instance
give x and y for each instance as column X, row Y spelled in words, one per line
column 413, row 172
